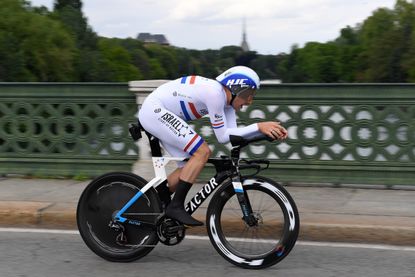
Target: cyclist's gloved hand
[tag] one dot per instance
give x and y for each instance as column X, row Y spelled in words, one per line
column 273, row 130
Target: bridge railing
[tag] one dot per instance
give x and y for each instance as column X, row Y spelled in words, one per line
column 68, row 129
column 338, row 133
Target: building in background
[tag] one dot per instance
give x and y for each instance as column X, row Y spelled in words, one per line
column 150, row 38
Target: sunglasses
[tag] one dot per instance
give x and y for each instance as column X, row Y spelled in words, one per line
column 246, row 93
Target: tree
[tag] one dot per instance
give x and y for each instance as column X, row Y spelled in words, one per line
column 406, row 17
column 69, row 12
column 381, row 49
column 116, row 64
column 378, row 37
column 265, row 66
column 165, row 56
column 290, row 68
column 33, row 47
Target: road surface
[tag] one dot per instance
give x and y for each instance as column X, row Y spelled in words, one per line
column 46, row 254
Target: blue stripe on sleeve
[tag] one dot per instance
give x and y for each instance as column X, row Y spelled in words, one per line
column 186, row 114
column 199, row 143
column 217, row 127
column 183, row 81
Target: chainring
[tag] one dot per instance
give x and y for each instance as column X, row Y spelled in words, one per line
column 170, row 231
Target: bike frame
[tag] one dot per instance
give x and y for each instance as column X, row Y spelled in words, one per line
column 225, row 168
column 159, row 164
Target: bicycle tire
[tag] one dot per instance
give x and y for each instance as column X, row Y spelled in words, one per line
column 228, row 232
column 100, row 200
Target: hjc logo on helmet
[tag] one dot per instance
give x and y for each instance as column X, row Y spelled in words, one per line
column 241, row 82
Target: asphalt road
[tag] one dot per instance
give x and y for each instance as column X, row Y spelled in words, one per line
column 50, row 255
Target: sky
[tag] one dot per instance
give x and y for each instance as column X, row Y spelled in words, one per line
column 272, row 26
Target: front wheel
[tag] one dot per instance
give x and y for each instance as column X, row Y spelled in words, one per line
column 258, row 245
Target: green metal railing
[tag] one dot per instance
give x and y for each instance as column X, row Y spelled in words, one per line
column 338, row 133
column 65, row 129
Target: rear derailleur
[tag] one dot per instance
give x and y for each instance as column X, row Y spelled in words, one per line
column 121, row 238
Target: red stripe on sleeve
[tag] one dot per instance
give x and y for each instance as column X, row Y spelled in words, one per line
column 194, row 111
column 192, row 80
column 190, row 142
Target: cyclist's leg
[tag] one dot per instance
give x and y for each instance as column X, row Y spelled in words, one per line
column 188, row 171
column 179, row 139
column 195, row 164
column 182, row 179
column 173, row 179
column 187, row 177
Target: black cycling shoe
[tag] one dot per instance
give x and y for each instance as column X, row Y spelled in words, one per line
column 176, row 208
column 179, row 214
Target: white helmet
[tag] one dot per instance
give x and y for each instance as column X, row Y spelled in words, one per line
column 239, row 79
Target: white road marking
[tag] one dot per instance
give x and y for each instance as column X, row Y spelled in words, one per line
column 39, row 231
column 357, row 245
column 206, row 238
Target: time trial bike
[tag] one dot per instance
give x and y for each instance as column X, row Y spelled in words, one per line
column 252, row 221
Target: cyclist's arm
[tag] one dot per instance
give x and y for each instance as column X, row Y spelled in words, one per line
column 231, row 120
column 223, row 121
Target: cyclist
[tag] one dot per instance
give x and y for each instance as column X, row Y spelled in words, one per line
column 166, row 110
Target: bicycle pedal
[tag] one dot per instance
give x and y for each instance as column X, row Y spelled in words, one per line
column 175, row 229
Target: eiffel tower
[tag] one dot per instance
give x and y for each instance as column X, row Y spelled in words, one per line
column 244, row 44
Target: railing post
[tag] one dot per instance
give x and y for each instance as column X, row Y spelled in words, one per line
column 142, row 89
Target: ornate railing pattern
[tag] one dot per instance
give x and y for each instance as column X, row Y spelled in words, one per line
column 337, row 133
column 65, row 129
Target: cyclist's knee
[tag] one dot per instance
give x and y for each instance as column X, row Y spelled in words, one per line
column 203, row 152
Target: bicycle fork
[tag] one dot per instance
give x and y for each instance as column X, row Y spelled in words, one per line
column 243, row 199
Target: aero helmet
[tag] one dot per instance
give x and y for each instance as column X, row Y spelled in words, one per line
column 239, row 79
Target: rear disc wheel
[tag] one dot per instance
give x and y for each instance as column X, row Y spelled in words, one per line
column 98, row 204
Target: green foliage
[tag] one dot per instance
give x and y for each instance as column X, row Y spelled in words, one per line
column 381, row 49
column 39, row 45
column 116, row 62
column 88, row 59
column 70, row 14
column 32, row 46
column 54, row 46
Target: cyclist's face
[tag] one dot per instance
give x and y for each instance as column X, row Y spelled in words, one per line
column 242, row 100
column 247, row 93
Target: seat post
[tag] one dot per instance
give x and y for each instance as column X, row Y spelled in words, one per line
column 154, row 142
column 135, row 131
column 154, row 145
